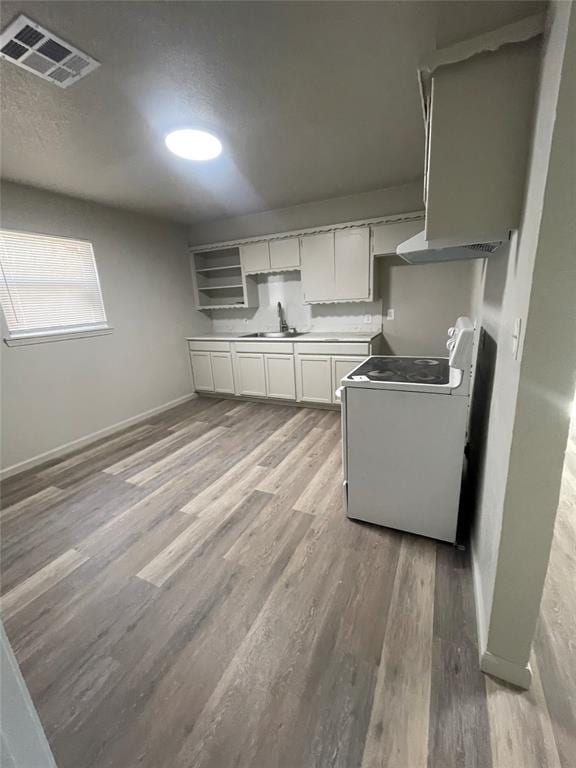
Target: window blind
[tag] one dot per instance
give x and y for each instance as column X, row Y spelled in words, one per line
column 48, row 284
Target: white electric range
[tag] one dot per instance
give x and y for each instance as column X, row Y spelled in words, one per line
column 404, row 426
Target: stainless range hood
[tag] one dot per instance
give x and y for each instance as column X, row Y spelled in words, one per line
column 418, row 250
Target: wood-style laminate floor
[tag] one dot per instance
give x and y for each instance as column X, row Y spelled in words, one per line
column 189, row 593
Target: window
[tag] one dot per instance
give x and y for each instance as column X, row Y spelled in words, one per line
column 48, row 287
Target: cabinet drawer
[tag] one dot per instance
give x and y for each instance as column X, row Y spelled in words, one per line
column 333, row 348
column 261, row 347
column 209, row 346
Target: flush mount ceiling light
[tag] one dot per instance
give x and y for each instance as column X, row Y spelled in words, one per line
column 193, row 144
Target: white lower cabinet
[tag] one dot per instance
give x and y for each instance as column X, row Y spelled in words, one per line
column 341, row 366
column 251, row 374
column 222, row 373
column 202, row 371
column 314, row 377
column 305, row 372
column 280, row 378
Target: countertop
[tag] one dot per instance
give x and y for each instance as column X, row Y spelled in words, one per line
column 348, row 336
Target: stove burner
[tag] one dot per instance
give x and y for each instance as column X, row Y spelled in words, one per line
column 425, row 377
column 385, row 375
column 405, row 370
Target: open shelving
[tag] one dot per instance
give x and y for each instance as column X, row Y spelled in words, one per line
column 219, row 281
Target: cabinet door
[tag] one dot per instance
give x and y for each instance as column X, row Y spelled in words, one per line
column 315, row 378
column 481, row 115
column 352, row 264
column 317, row 254
column 222, row 372
column 255, row 257
column 285, row 254
column 387, row 237
column 251, row 375
column 202, row 371
column 341, row 366
column 280, row 379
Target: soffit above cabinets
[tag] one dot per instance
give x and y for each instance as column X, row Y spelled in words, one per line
column 397, row 220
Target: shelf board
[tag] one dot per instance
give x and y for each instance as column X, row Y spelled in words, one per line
column 221, row 306
column 218, row 287
column 218, row 269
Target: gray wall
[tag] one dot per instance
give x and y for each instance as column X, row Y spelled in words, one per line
column 426, row 299
column 379, row 202
column 520, row 442
column 59, row 392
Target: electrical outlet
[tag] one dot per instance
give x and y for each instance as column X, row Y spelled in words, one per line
column 367, row 319
column 390, row 314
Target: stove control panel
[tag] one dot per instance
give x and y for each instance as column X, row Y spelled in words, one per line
column 460, row 343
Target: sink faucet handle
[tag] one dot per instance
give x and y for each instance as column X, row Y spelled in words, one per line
column 282, row 321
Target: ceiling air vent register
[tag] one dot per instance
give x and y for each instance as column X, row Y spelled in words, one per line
column 35, row 49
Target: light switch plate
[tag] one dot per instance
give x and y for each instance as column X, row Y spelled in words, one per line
column 390, row 314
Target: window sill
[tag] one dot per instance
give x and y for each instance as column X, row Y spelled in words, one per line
column 43, row 338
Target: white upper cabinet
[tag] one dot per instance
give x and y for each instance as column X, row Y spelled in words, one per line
column 271, row 255
column 219, row 281
column 478, row 136
column 285, row 253
column 352, row 264
column 337, row 266
column 387, row 237
column 255, row 257
column 317, row 252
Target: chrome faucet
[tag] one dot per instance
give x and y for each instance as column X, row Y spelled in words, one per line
column 282, row 321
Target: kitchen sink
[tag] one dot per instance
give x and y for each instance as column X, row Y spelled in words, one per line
column 273, row 335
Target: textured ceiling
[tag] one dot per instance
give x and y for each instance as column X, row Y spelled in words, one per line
column 311, row 100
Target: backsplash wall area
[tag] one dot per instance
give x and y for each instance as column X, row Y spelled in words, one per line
column 426, row 300
column 286, row 287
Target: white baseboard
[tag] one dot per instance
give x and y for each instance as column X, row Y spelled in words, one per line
column 496, row 666
column 62, row 450
column 506, row 670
